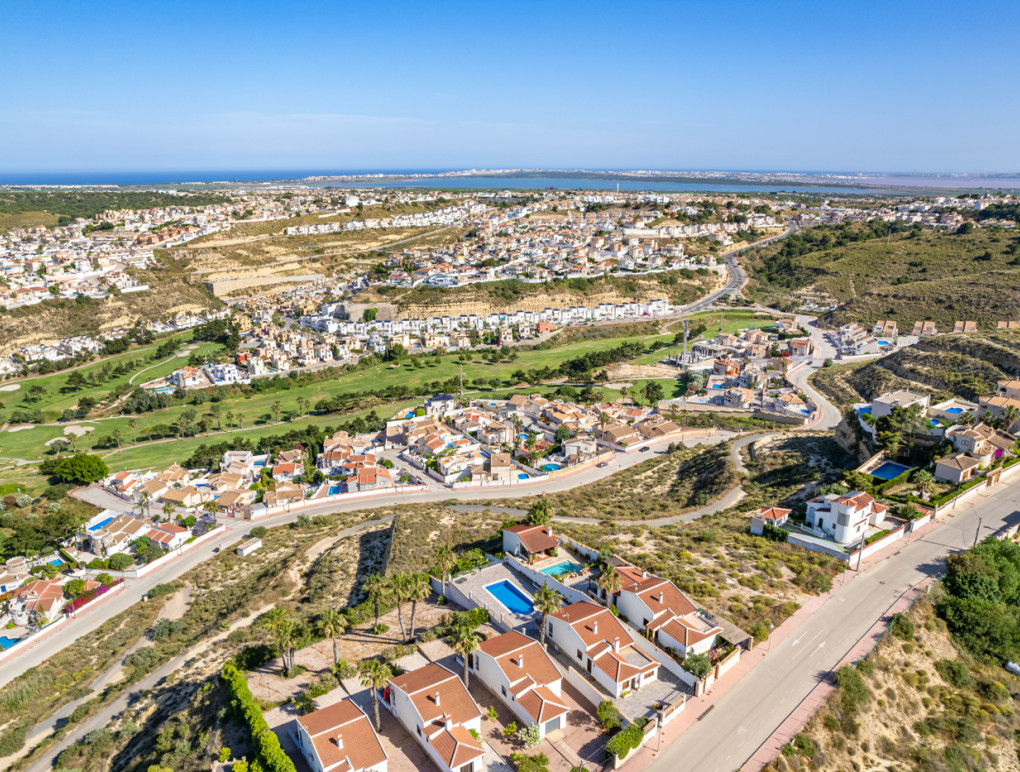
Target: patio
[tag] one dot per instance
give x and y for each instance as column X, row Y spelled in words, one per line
column 474, row 585
column 665, row 690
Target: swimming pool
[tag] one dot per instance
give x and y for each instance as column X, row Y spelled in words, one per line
column 887, row 470
column 335, row 489
column 884, row 343
column 522, row 476
column 56, row 562
column 561, row 568
column 513, row 599
column 864, row 410
column 100, row 524
column 6, row 642
column 550, row 467
column 954, row 410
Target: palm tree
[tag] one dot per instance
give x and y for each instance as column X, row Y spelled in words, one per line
column 609, row 582
column 374, row 676
column 302, row 405
column 279, row 623
column 169, row 509
column 400, row 586
column 133, row 425
column 376, row 588
column 277, row 408
column 547, row 600
column 446, row 561
column 230, row 419
column 464, row 642
column 418, row 588
column 118, row 437
column 143, row 503
column 333, row 624
column 216, row 411
column 1010, row 414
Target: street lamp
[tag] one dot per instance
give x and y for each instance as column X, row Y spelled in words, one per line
column 771, row 628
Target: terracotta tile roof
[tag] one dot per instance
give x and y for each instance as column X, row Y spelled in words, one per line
column 536, row 538
column 594, row 624
column 456, row 746
column 522, row 659
column 437, row 693
column 343, row 738
column 772, row 513
column 542, row 704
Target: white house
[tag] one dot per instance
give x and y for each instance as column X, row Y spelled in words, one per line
column 169, row 536
column 657, row 605
column 435, row 707
column 844, row 518
column 339, row 738
column 517, row 669
column 774, row 516
column 529, row 541
column 601, row 645
column 883, row 406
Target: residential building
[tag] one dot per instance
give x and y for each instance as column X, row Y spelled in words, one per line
column 844, row 518
column 340, row 738
column 529, row 542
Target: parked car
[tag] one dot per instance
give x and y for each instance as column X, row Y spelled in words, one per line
column 645, row 449
column 601, row 464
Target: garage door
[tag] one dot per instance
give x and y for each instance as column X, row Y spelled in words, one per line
column 553, row 725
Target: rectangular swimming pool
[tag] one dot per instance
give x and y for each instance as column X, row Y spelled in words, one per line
column 513, row 599
column 561, row 568
column 887, row 470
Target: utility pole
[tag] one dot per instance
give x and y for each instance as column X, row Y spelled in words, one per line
column 977, row 533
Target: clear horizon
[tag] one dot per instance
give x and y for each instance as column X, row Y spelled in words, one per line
column 136, row 88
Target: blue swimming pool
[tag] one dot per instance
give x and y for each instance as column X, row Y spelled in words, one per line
column 887, row 470
column 512, row 598
column 550, row 467
column 56, row 562
column 6, row 642
column 561, row 568
column 335, row 489
column 100, row 524
column 522, row 476
column 954, row 410
column 864, row 410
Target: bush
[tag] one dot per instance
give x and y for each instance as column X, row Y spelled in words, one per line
column 120, row 561
column 254, row 657
column 259, row 531
column 12, row 740
column 166, row 628
column 159, row 590
column 954, row 673
column 852, row 689
column 902, row 627
column 83, row 469
column 697, row 665
column 608, row 715
column 624, row 741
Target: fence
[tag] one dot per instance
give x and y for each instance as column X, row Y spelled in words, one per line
column 148, row 568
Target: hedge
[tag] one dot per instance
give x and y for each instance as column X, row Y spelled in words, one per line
column 626, row 740
column 266, row 743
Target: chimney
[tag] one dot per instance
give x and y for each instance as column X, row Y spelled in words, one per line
column 520, row 660
column 660, row 596
column 616, row 644
column 339, row 740
column 644, row 573
column 437, row 699
column 595, row 627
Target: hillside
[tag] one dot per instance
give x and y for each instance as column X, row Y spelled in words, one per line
column 965, row 365
column 933, row 696
column 872, row 271
column 36, row 207
column 491, row 297
column 171, row 292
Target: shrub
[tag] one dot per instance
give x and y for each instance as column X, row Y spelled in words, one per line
column 530, row 735
column 902, row 627
column 166, row 628
column 159, row 590
column 994, row 692
column 954, row 673
column 120, row 561
column 608, row 715
column 624, row 741
column 254, row 657
column 538, row 762
column 697, row 665
column 258, row 531
column 852, row 689
column 380, row 628
column 510, row 729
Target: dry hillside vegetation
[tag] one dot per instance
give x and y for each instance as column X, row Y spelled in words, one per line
column 172, row 292
column 904, row 276
column 419, row 531
column 966, row 365
column 915, row 704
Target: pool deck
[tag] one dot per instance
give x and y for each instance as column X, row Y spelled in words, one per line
column 473, row 586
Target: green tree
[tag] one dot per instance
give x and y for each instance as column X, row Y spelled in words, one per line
column 376, row 588
column 464, row 642
column 653, row 393
column 82, row 468
column 446, row 561
column 540, row 512
column 547, row 601
column 374, row 676
column 333, row 624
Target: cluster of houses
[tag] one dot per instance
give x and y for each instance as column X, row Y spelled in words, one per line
column 447, row 215
column 626, row 645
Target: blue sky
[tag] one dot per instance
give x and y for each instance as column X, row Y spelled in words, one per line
column 903, row 86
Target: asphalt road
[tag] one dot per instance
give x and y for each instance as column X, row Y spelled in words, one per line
column 753, row 708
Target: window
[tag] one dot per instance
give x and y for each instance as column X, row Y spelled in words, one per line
column 504, row 691
column 580, row 655
column 550, row 630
